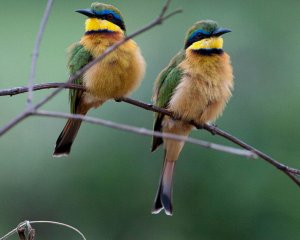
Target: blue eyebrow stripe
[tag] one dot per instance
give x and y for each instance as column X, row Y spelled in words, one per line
column 199, row 31
column 107, row 11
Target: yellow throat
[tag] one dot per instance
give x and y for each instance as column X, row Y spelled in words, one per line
column 208, row 43
column 95, row 24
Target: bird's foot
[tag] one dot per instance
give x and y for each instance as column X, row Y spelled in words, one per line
column 213, row 128
column 198, row 126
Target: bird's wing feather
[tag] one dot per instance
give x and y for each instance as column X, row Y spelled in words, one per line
column 165, row 85
column 78, row 58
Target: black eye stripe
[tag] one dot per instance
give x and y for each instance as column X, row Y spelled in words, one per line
column 110, row 17
column 196, row 38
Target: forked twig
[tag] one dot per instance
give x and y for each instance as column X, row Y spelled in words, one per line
column 290, row 172
column 31, row 109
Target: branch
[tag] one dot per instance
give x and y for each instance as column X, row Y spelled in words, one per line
column 146, row 132
column 35, row 52
column 216, row 131
column 19, row 90
column 217, row 147
column 26, row 224
column 157, row 21
column 290, row 172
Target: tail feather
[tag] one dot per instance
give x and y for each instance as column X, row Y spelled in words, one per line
column 157, row 141
column 163, row 199
column 66, row 138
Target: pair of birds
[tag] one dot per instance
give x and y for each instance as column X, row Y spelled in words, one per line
column 195, row 86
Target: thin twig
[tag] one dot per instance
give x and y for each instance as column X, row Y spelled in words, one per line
column 146, row 132
column 112, row 48
column 155, row 22
column 23, row 224
column 212, row 129
column 109, row 50
column 19, row 90
column 290, row 172
column 14, row 122
column 36, row 50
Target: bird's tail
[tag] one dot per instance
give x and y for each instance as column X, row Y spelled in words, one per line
column 66, row 138
column 163, row 199
column 173, row 148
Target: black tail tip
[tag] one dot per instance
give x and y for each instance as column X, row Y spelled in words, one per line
column 62, row 151
column 162, row 202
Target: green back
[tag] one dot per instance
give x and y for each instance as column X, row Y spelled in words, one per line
column 166, row 83
column 167, row 80
column 78, row 58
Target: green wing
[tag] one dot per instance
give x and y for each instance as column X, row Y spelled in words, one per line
column 78, row 58
column 165, row 85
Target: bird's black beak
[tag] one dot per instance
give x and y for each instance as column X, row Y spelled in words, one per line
column 86, row 12
column 221, row 31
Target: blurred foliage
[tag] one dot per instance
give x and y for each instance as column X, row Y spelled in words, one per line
column 107, row 185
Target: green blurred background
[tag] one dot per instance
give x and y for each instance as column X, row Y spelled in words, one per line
column 107, row 185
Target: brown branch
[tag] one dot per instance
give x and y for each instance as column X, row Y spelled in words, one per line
column 159, row 20
column 31, row 109
column 217, row 147
column 19, row 90
column 290, row 172
column 217, row 131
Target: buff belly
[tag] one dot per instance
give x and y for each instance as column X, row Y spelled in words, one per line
column 114, row 77
column 200, row 96
column 117, row 75
column 204, row 89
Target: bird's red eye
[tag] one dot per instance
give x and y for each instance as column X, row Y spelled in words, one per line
column 110, row 17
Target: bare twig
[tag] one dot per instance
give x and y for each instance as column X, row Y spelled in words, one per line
column 143, row 131
column 291, row 172
column 14, row 122
column 159, row 20
column 19, row 90
column 150, row 107
column 33, row 108
column 36, row 49
column 25, row 224
column 218, row 147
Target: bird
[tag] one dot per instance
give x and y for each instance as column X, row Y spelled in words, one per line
column 116, row 76
column 195, row 87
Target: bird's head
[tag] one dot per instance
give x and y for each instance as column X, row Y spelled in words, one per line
column 103, row 18
column 205, row 35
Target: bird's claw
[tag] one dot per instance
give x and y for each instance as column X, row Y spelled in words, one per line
column 198, row 126
column 213, row 128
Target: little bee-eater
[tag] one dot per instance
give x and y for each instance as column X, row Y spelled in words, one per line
column 117, row 75
column 195, row 86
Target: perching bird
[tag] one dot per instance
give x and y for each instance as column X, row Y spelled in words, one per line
column 195, row 86
column 117, row 75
